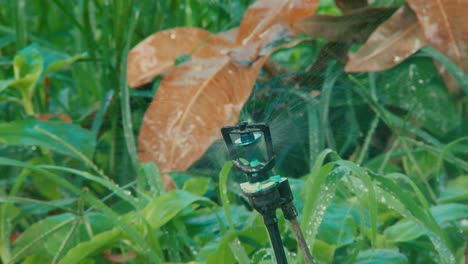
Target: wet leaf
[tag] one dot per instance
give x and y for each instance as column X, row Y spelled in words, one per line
column 393, row 41
column 192, row 103
column 416, row 87
column 444, row 26
column 157, row 53
column 264, row 13
column 406, row 229
column 353, row 27
column 246, row 54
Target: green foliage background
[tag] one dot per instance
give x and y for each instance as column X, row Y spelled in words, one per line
column 378, row 160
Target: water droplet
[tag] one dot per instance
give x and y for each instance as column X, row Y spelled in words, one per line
column 396, row 59
column 33, row 148
column 173, row 36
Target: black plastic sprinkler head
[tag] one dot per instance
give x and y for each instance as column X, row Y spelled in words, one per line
column 265, row 193
column 243, row 142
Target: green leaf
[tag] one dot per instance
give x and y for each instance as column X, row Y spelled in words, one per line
column 224, row 253
column 94, row 245
column 456, row 190
column 381, row 256
column 27, row 66
column 423, row 166
column 323, row 251
column 149, row 173
column 415, row 86
column 197, row 186
column 46, row 236
column 406, row 229
column 24, row 133
column 396, row 198
column 165, row 207
column 223, row 192
column 63, row 63
column 339, row 225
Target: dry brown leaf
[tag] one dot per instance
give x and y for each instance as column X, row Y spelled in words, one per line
column 264, row 13
column 352, row 27
column 157, row 53
column 247, row 54
column 444, row 23
column 349, row 5
column 392, row 42
column 192, row 103
column 229, row 35
column 214, row 46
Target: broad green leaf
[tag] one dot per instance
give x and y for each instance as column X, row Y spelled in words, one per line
column 368, row 191
column 256, row 236
column 323, row 251
column 48, row 190
column 90, row 247
column 396, row 198
column 7, row 40
column 27, row 133
column 415, row 86
column 46, row 236
column 422, row 167
column 4, row 84
column 53, row 60
column 339, row 225
column 113, row 217
column 381, row 256
column 406, row 230
column 62, row 64
column 165, row 207
column 27, row 66
column 456, row 190
column 197, row 186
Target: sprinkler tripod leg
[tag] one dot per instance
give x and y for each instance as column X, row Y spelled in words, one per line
column 301, row 241
column 271, row 223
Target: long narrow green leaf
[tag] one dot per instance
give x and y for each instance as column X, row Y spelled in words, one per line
column 223, row 192
column 88, row 248
column 405, row 205
column 91, row 200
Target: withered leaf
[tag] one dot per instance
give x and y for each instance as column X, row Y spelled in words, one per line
column 265, row 13
column 248, row 53
column 157, row 53
column 392, row 42
column 444, row 23
column 192, row 103
column 229, row 35
column 352, row 27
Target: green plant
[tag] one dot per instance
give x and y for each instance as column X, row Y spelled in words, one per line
column 390, row 186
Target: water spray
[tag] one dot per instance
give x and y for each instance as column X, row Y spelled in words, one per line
column 255, row 157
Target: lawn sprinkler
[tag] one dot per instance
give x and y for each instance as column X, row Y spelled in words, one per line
column 251, row 151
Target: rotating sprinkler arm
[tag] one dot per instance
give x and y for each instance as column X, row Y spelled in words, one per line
column 265, row 193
